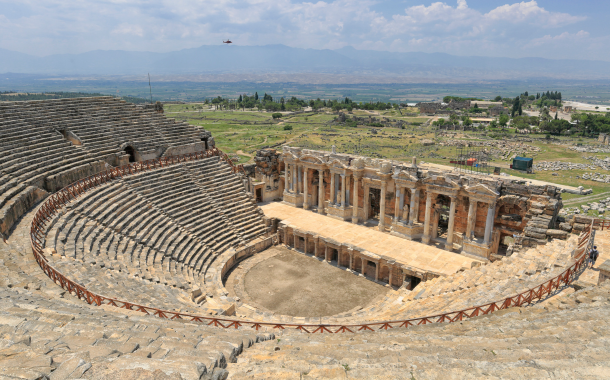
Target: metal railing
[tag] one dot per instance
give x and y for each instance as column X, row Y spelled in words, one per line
column 56, row 201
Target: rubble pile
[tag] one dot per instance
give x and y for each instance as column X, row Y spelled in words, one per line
column 596, row 163
column 503, row 150
column 589, row 149
column 597, row 177
column 267, row 161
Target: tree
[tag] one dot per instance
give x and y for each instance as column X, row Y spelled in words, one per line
column 498, row 98
column 467, row 121
column 256, row 96
column 276, row 115
column 516, row 105
column 525, row 93
column 240, row 99
column 503, row 120
column 555, row 115
column 520, row 110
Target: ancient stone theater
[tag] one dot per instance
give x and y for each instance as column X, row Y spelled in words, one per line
column 133, row 247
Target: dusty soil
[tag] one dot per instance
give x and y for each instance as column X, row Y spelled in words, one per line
column 291, row 283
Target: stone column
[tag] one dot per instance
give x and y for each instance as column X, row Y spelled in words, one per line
column 355, row 202
column 298, row 177
column 366, row 202
column 351, row 258
column 382, row 207
column 377, row 271
column 363, row 262
column 305, row 190
column 286, row 178
column 435, row 219
column 426, row 238
column 414, row 210
column 347, row 191
column 390, row 278
column 305, row 244
column 333, row 193
column 489, row 223
column 326, row 253
column 343, row 192
column 472, row 218
column 315, row 247
column 397, row 205
column 294, row 178
column 401, row 205
column 337, row 194
column 321, row 191
column 449, row 245
column 296, row 240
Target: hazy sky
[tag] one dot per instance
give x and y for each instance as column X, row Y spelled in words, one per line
column 545, row 28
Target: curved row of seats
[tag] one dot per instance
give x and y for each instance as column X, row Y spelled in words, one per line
column 46, row 332
column 563, row 340
column 34, row 145
column 469, row 288
column 151, row 238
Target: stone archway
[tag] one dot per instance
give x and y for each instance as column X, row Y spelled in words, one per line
column 131, row 152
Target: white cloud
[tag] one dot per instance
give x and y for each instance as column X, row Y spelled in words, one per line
column 55, row 26
column 127, row 29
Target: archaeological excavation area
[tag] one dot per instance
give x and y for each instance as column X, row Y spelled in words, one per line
column 134, row 247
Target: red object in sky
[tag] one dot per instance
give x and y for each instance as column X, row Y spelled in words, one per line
column 227, row 42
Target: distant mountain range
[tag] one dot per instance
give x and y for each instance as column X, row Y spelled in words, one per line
column 284, row 59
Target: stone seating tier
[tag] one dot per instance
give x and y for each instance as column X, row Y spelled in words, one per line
column 47, row 332
column 564, row 338
column 35, row 145
column 158, row 228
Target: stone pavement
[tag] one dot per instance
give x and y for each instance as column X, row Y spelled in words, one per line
column 414, row 254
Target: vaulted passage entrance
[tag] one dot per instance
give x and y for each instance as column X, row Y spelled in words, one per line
column 131, row 152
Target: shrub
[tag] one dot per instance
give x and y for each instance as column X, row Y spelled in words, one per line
column 288, row 127
column 276, row 115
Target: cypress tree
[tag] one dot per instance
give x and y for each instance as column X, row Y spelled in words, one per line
column 256, row 96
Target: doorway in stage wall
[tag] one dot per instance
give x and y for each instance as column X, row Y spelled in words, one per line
column 374, row 203
column 259, row 195
column 444, row 204
column 371, row 269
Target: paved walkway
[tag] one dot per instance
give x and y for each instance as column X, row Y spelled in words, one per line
column 411, row 253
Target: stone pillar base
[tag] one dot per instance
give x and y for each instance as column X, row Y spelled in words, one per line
column 292, row 199
column 407, row 231
column 425, row 239
column 355, row 219
column 449, row 247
